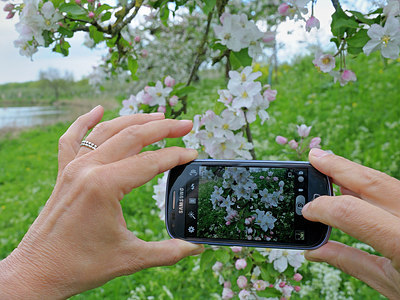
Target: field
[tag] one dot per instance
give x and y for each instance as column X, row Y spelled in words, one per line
column 360, row 121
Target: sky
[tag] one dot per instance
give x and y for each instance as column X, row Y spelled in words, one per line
column 17, row 68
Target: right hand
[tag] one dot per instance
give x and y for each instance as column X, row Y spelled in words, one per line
column 368, row 210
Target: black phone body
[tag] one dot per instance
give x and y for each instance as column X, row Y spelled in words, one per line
column 245, row 203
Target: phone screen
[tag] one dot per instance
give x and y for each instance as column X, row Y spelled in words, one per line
column 255, row 204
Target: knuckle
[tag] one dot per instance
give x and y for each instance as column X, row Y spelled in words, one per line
column 101, row 128
column 342, row 208
column 372, row 179
column 150, row 159
column 62, row 142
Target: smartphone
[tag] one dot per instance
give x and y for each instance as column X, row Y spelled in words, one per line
column 245, row 203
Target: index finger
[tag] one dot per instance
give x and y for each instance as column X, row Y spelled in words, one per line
column 373, row 186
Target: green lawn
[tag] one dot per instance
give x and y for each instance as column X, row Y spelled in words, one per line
column 360, row 121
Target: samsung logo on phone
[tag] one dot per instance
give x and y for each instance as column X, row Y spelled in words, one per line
column 180, row 204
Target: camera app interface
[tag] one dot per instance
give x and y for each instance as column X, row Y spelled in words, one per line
column 241, row 203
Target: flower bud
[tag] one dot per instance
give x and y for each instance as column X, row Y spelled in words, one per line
column 227, row 293
column 241, row 282
column 227, row 284
column 293, row 144
column 10, row 15
column 282, row 284
column 217, row 266
column 303, row 130
column 137, row 39
column 98, row 4
column 162, row 109
column 283, row 9
column 8, row 7
column 236, row 249
column 78, row 2
column 270, row 95
column 269, row 37
column 240, row 264
column 169, row 81
column 145, row 53
column 91, row 15
column 311, row 23
column 281, row 140
column 228, row 223
column 173, row 100
column 348, row 75
column 297, row 288
column 297, row 277
column 90, row 1
column 315, row 143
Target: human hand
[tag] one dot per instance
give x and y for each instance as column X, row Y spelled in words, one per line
column 80, row 239
column 368, row 210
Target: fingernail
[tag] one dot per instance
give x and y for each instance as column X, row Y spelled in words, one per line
column 318, row 152
column 157, row 114
column 93, row 109
column 198, row 249
column 185, row 122
column 305, row 207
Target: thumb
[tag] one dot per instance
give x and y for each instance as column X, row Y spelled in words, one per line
column 169, row 252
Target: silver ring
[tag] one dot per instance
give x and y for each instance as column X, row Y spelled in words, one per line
column 89, row 145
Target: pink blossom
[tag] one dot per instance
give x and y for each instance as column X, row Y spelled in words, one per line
column 270, row 95
column 282, row 284
column 293, row 144
column 162, row 109
column 173, row 100
column 297, row 277
column 315, row 143
column 91, row 15
column 236, row 249
column 240, row 264
column 90, row 1
column 311, row 23
column 8, row 7
column 227, row 284
column 303, row 130
column 325, row 62
column 241, row 282
column 283, row 9
column 243, row 294
column 227, row 294
column 281, row 140
column 268, row 37
column 98, row 5
column 137, row 39
column 145, row 53
column 228, row 223
column 222, row 17
column 217, row 266
column 297, row 288
column 348, row 75
column 275, row 178
column 271, row 285
column 146, row 98
column 260, row 285
column 10, row 15
column 78, row 2
column 262, row 177
column 169, row 81
column 147, row 88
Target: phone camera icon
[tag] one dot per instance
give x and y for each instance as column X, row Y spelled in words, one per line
column 191, row 229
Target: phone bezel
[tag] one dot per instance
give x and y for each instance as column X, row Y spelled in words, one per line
column 324, row 230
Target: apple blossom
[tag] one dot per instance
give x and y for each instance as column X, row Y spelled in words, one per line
column 227, row 284
column 242, row 282
column 281, row 140
column 315, row 143
column 283, row 9
column 144, row 53
column 348, row 75
column 392, row 9
column 293, row 144
column 282, row 284
column 137, row 39
column 8, row 7
column 217, row 267
column 240, row 264
column 386, row 39
column 303, row 130
column 10, row 15
column 325, row 62
column 270, row 94
column 162, row 109
column 297, row 288
column 236, row 249
column 169, row 81
column 91, row 14
column 78, row 2
column 244, row 295
column 173, row 100
column 260, row 285
column 281, row 258
column 227, row 293
column 311, row 23
column 159, row 194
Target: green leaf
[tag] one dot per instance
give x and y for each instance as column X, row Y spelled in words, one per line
column 258, row 257
column 269, row 293
column 184, row 91
column 96, row 35
column 222, row 255
column 359, row 16
column 239, row 59
column 164, row 14
column 48, row 40
column 345, row 23
column 207, row 259
column 354, row 50
column 359, row 39
column 336, row 41
column 106, row 16
column 208, row 6
column 102, row 8
column 133, row 66
column 66, row 32
column 72, row 9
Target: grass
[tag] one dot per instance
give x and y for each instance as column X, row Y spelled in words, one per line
column 359, row 121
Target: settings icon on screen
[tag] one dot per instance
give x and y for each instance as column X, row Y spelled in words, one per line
column 191, row 229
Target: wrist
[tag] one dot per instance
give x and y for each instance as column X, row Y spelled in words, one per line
column 21, row 278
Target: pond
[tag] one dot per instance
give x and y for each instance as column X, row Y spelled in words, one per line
column 19, row 117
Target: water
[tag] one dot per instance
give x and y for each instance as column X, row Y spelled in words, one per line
column 19, row 117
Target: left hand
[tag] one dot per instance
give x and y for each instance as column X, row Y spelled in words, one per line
column 80, row 239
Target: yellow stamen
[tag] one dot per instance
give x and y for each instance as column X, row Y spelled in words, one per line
column 385, row 40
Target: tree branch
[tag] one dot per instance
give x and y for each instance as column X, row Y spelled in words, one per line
column 336, row 4
column 249, row 137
